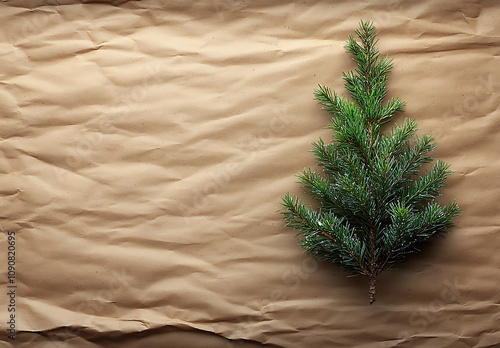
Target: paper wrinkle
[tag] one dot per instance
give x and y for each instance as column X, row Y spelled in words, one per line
column 58, row 334
column 146, row 146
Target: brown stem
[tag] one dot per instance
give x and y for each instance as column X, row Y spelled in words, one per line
column 372, row 277
column 373, row 287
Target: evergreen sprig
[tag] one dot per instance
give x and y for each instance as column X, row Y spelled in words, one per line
column 376, row 205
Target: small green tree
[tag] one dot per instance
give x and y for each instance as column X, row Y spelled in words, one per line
column 376, row 205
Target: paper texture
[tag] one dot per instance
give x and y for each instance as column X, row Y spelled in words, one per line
column 145, row 147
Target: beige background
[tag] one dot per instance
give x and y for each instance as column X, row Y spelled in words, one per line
column 145, row 148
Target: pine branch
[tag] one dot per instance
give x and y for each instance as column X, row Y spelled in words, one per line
column 427, row 187
column 320, row 229
column 374, row 207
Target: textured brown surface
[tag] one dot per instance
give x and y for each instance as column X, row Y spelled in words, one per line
column 145, row 148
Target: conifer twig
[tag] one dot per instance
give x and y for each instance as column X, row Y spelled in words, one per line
column 374, row 207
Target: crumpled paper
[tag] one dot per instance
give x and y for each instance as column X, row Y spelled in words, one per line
column 145, row 147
